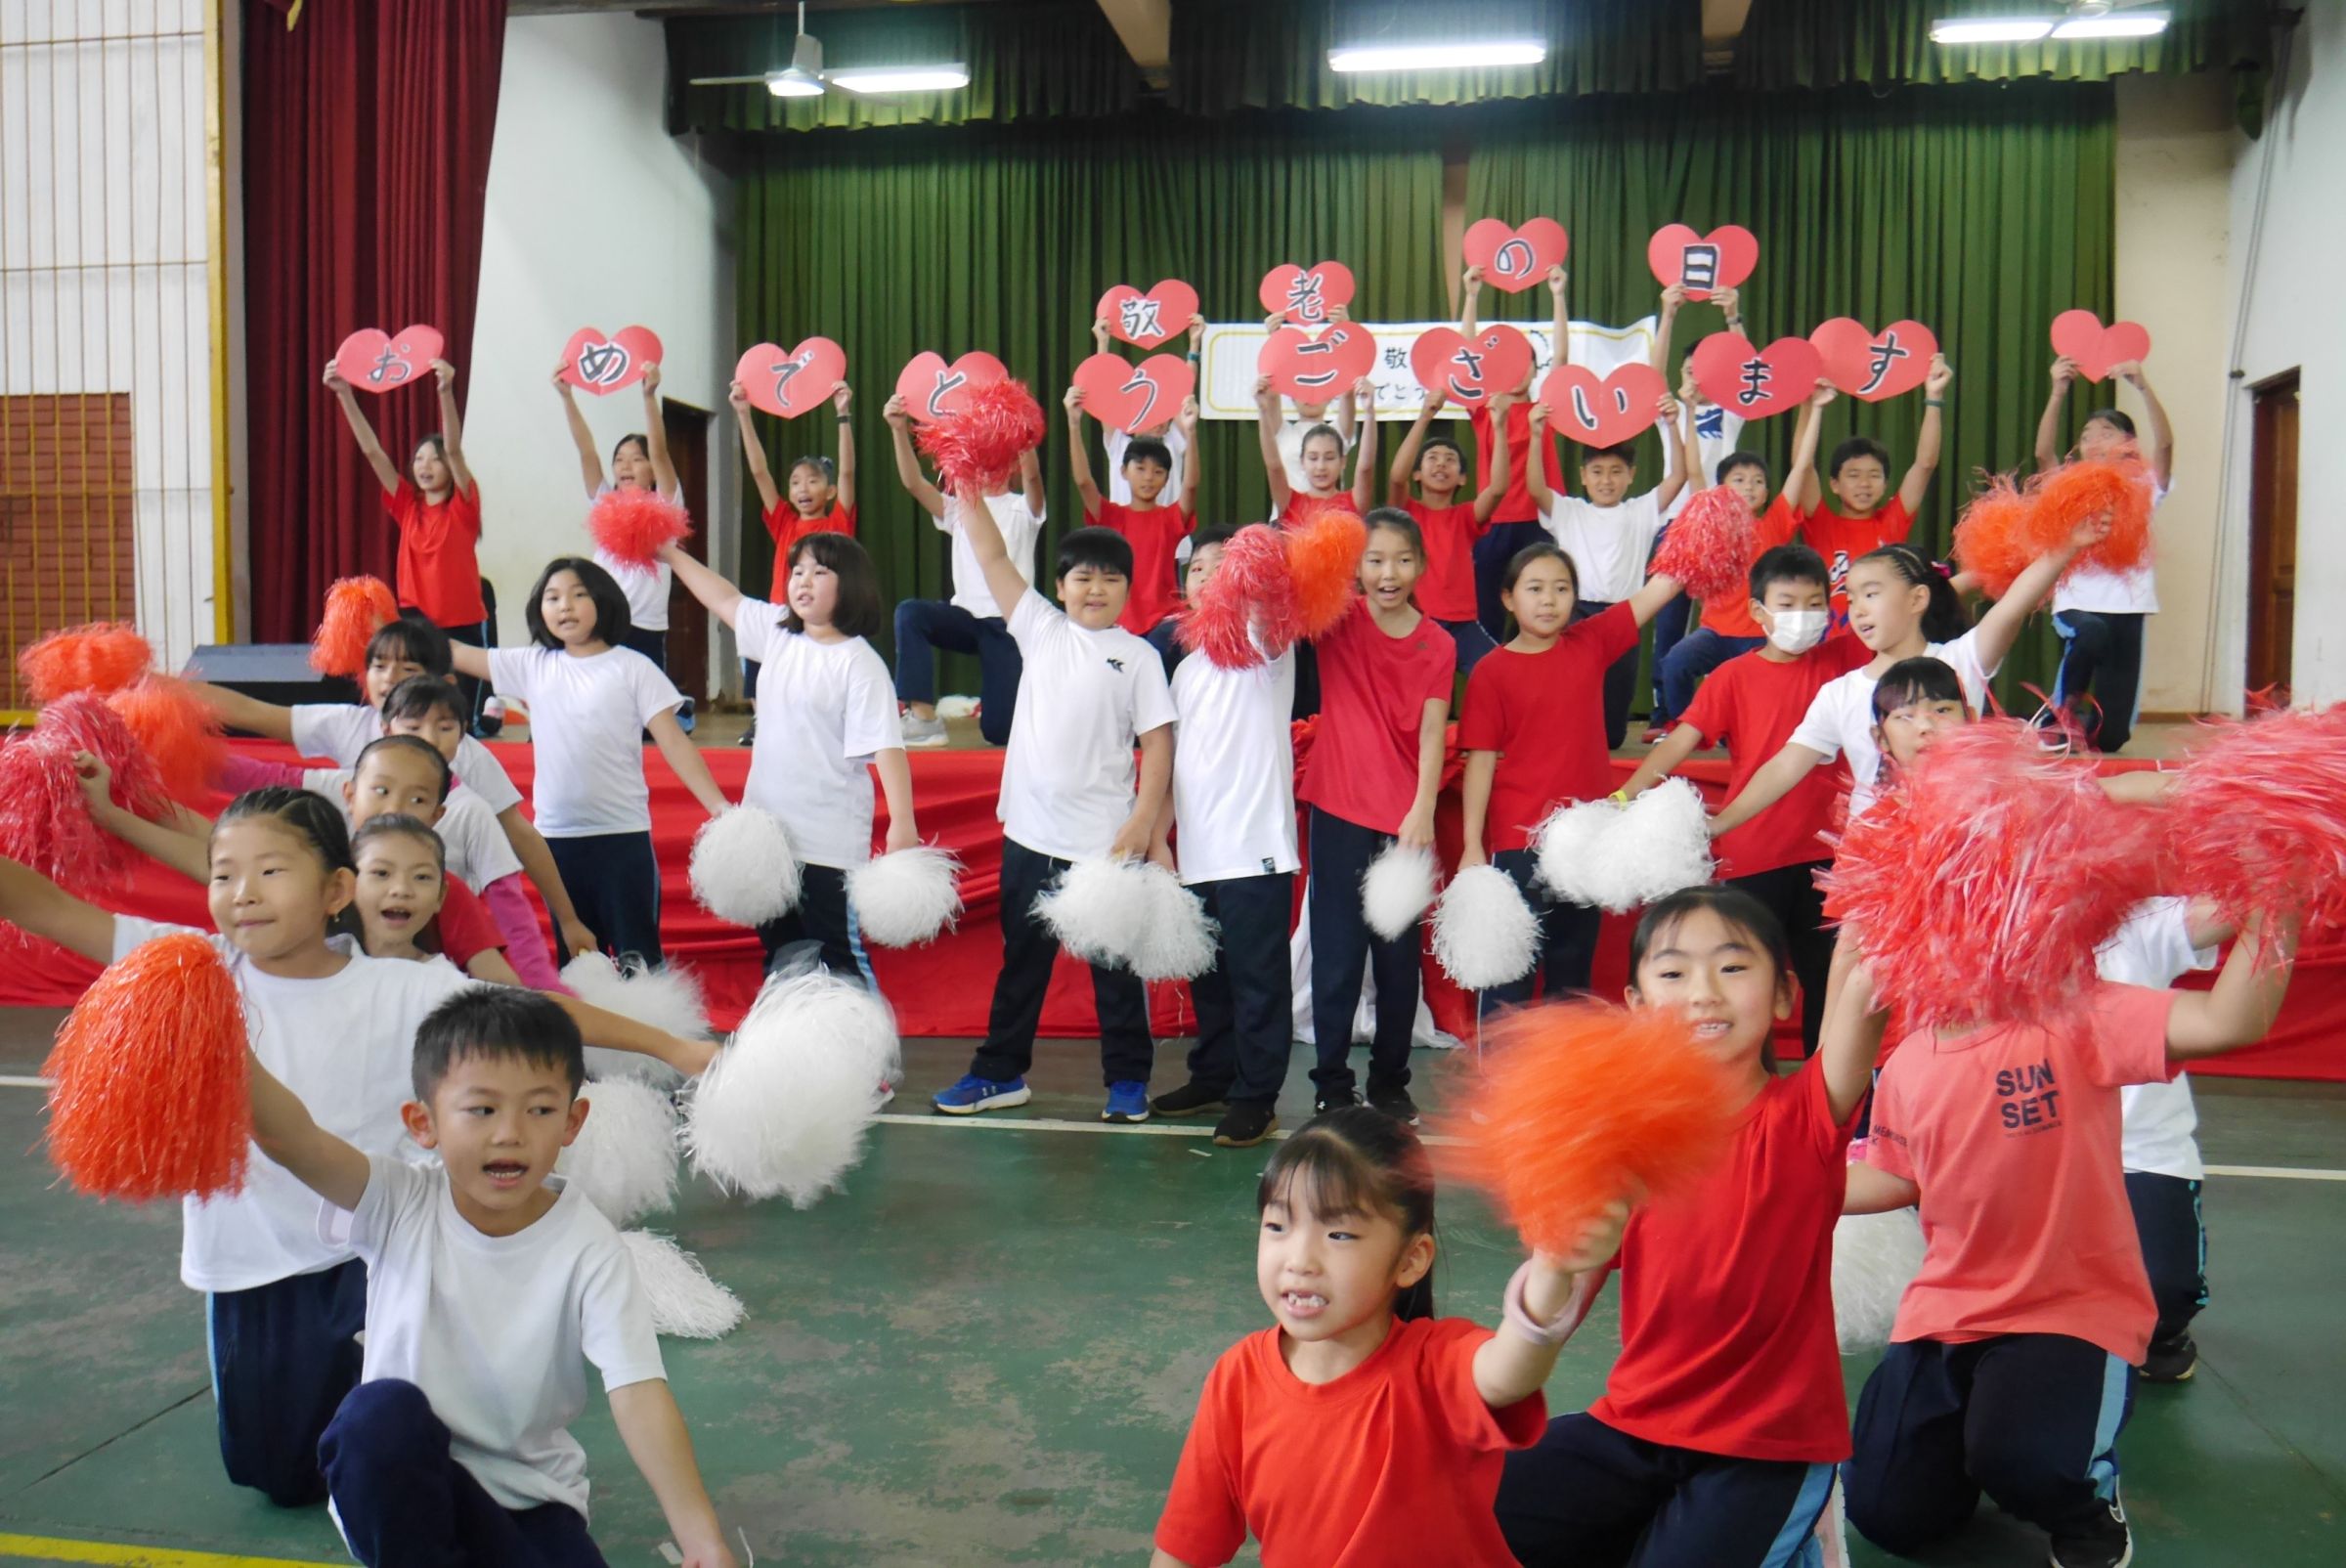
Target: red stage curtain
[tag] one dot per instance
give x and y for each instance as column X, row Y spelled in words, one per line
column 367, row 131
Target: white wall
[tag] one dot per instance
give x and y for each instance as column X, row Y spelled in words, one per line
column 596, row 217
column 104, row 264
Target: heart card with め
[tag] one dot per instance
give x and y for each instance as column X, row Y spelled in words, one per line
column 1308, row 296
column 1149, row 320
column 601, row 363
column 1754, row 382
column 791, row 381
column 1602, row 411
column 2080, row 334
column 931, row 389
column 372, row 360
column 1871, row 365
column 1314, row 369
column 1468, row 371
column 1129, row 397
column 1514, row 259
column 1704, row 262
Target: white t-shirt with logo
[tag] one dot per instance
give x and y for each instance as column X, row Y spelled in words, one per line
column 1609, row 545
column 586, row 719
column 2098, row 590
column 496, row 1331
column 1841, row 716
column 341, row 730
column 646, row 587
column 2152, row 947
column 477, row 850
column 1234, row 770
column 823, row 710
column 1084, row 698
column 1019, row 528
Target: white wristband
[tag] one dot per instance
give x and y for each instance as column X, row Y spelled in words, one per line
column 1519, row 1317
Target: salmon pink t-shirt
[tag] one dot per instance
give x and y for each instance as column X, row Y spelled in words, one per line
column 1374, row 689
column 1731, row 616
column 1445, row 587
column 2013, row 1134
column 1395, row 1464
column 1154, row 534
column 786, row 527
column 439, row 564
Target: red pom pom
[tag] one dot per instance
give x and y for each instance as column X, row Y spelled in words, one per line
column 153, row 1093
column 85, row 722
column 1709, row 547
column 356, row 609
column 1580, row 1104
column 45, row 820
column 2256, row 816
column 1324, row 542
column 178, row 730
column 1250, row 599
column 980, row 446
column 634, row 525
column 2077, row 493
column 1995, row 539
column 103, row 657
column 1984, row 880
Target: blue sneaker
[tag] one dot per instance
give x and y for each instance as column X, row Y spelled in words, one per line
column 1127, row 1102
column 972, row 1094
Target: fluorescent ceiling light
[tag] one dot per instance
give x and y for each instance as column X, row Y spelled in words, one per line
column 1989, row 29
column 2114, row 24
column 903, row 78
column 1435, row 57
column 791, row 84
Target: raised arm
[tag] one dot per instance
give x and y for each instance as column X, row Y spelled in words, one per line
column 1809, row 423
column 1850, row 1040
column 1774, row 780
column 32, row 904
column 451, row 425
column 467, row 660
column 1664, row 759
column 1559, row 325
column 1679, row 455
column 1653, row 593
column 1079, row 461
column 908, row 465
column 1186, row 421
column 1266, row 429
column 1487, row 500
column 2000, row 627
column 1002, row 579
column 655, row 434
column 685, row 759
column 286, row 1131
column 2159, row 453
column 1470, row 300
column 239, row 711
column 1031, row 482
column 1514, row 1364
column 1666, row 319
column 847, row 444
column 386, row 472
column 1404, row 455
column 1927, row 444
column 590, row 461
column 653, row 1429
column 188, row 855
column 1363, row 466
column 753, row 449
column 2239, row 1007
column 2047, row 424
column 1535, row 472
column 718, row 595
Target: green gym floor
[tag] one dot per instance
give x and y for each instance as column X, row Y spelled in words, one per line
column 987, row 1348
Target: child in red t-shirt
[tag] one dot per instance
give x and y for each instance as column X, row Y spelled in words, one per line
column 1515, row 522
column 1722, row 1425
column 1322, row 456
column 1153, row 522
column 1450, row 526
column 1362, row 1431
column 1860, row 520
column 1534, row 734
column 821, row 500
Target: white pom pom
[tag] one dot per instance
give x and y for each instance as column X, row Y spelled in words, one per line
column 1099, row 910
column 1570, row 844
column 743, row 869
column 1396, row 889
column 667, row 999
column 1660, row 844
column 1178, row 940
column 906, row 896
column 783, row 1107
column 624, row 1160
column 1875, row 1258
column 1484, row 933
column 685, row 1303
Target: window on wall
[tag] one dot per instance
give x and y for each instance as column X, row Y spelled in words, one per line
column 67, row 547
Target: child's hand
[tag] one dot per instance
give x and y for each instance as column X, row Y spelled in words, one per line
column 651, row 381
column 901, row 835
column 1598, row 1240
column 2093, row 531
column 2130, row 372
column 576, row 939
column 892, row 410
column 690, row 1056
column 1729, row 302
column 1471, row 856
column 1187, row 418
column 1100, row 333
column 97, row 779
column 1417, row 828
column 1825, row 393
column 444, row 374
column 1160, row 853
column 1276, row 320
column 738, row 394
column 843, row 397
column 708, row 1553
column 333, row 378
column 1673, row 297
column 1073, row 404
column 1196, row 330
column 1557, row 278
column 1264, row 397
column 1435, row 399
column 1539, row 418
column 1941, row 376
column 561, row 377
column 2064, row 370
column 1666, row 407
column 1689, row 392
column 1471, row 280
column 1131, row 842
column 1365, row 389
column 1339, row 313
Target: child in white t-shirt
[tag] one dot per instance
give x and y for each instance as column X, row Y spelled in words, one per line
column 826, row 724
column 639, row 462
column 489, row 1287
column 1092, row 691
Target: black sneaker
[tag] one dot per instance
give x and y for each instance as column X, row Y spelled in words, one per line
column 1394, row 1102
column 2105, row 1543
column 1189, row 1100
column 2171, row 1361
column 1334, row 1100
column 749, row 735
column 1242, row 1126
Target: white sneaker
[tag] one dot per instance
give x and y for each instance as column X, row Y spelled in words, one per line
column 924, row 731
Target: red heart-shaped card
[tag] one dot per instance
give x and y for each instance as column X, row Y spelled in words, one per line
column 931, row 389
column 1704, row 262
column 1312, row 370
column 1754, row 383
column 2080, row 334
column 374, row 360
column 1306, row 295
column 792, row 381
column 1602, row 413
column 1129, row 397
column 1871, row 365
column 1145, row 320
column 603, row 364
column 1468, row 371
column 1514, row 259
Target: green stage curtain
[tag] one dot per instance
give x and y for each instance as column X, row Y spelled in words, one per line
column 1980, row 212
column 1273, row 53
column 1027, row 59
column 1881, row 43
column 1005, row 240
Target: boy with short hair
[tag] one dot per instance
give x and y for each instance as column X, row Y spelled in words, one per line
column 1754, row 702
column 1449, row 526
column 1233, row 803
column 488, row 1284
column 1153, row 522
column 1860, row 518
column 1167, row 430
column 1089, row 689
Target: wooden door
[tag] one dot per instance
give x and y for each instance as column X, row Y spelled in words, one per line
column 687, row 431
column 2273, row 537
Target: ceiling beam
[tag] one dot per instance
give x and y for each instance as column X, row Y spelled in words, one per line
column 1147, row 28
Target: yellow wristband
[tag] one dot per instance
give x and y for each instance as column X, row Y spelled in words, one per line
column 1619, row 796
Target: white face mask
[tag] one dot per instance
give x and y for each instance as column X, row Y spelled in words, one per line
column 1795, row 631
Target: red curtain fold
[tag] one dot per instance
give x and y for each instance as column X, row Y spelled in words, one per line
column 367, row 137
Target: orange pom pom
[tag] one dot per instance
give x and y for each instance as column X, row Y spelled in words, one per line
column 2256, row 817
column 152, row 1096
column 1580, row 1104
column 1995, row 538
column 101, row 657
column 356, row 609
column 2076, row 492
column 179, row 731
column 1324, row 542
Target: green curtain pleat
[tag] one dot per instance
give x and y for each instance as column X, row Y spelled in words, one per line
column 1830, row 43
column 1004, row 240
column 1273, row 53
column 1980, row 212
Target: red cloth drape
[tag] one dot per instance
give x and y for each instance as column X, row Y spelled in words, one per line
column 366, row 132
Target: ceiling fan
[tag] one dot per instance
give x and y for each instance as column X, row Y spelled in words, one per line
column 804, row 76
